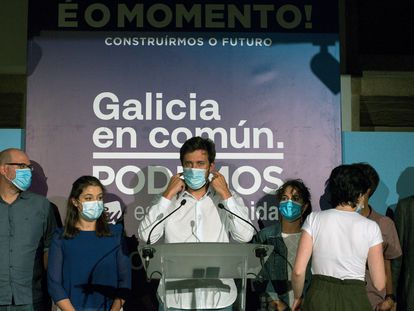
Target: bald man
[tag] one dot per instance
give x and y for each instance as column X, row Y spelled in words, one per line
column 26, row 227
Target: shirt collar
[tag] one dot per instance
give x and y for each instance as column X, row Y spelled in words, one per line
column 24, row 195
column 185, row 194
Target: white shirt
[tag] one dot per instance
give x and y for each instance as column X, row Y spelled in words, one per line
column 341, row 241
column 198, row 221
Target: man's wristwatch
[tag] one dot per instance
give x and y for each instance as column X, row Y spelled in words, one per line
column 390, row 296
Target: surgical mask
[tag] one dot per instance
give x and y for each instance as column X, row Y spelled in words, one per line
column 195, row 178
column 23, row 178
column 92, row 210
column 290, row 210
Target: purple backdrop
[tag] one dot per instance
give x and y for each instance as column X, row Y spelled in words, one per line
column 114, row 105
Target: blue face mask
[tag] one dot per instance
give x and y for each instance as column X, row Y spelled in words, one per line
column 92, row 210
column 359, row 208
column 194, row 178
column 290, row 210
column 23, row 179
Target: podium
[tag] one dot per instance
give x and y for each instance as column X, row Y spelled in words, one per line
column 204, row 262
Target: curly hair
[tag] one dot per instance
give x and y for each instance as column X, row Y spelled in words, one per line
column 301, row 189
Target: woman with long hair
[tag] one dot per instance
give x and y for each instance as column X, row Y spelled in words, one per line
column 89, row 268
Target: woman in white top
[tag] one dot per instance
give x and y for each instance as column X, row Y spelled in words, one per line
column 340, row 242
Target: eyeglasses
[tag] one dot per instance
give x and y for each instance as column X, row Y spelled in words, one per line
column 22, row 165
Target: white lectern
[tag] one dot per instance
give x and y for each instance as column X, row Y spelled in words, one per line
column 204, row 261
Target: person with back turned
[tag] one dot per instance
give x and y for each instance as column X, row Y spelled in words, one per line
column 199, row 190
column 26, row 227
column 341, row 243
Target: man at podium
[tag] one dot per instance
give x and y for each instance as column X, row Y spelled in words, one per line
column 199, row 204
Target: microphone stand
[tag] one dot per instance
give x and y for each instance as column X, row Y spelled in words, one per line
column 261, row 251
column 148, row 251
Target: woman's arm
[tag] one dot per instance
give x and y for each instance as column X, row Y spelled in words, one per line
column 55, row 273
column 117, row 304
column 376, row 266
column 65, row 305
column 124, row 272
column 299, row 270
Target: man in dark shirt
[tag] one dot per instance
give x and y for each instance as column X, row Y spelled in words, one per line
column 403, row 267
column 26, row 227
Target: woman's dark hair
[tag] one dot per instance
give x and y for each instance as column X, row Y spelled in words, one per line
column 199, row 143
column 346, row 184
column 302, row 190
column 72, row 212
column 371, row 174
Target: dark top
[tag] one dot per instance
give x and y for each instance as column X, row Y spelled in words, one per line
column 87, row 269
column 26, row 229
column 403, row 266
column 391, row 249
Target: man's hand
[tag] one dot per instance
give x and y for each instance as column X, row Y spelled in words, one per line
column 220, row 185
column 175, row 186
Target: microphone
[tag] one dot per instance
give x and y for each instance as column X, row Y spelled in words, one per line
column 148, row 251
column 192, row 224
column 260, row 252
column 221, row 206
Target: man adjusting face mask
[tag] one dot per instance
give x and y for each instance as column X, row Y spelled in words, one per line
column 195, row 178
